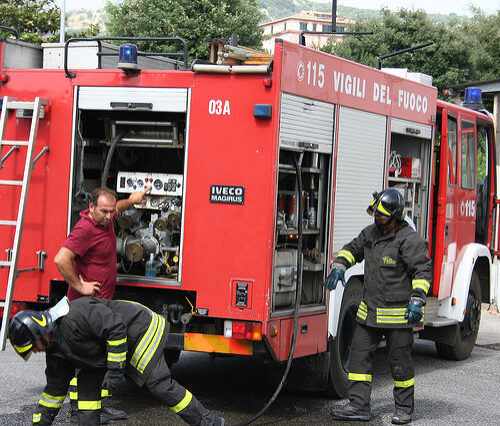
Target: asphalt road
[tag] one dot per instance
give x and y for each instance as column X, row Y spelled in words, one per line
column 446, row 393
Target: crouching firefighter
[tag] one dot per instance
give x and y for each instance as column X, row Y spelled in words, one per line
column 101, row 337
column 397, row 277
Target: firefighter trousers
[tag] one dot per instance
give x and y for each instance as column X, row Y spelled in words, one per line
column 89, row 396
column 161, row 385
column 365, row 342
column 73, row 392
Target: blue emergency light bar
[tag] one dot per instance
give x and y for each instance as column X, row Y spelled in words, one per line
column 473, row 98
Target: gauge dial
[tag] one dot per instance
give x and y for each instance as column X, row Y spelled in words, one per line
column 158, row 184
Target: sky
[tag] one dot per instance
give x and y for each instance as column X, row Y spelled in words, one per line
column 460, row 7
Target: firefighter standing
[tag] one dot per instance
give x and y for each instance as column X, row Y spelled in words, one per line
column 95, row 336
column 397, row 277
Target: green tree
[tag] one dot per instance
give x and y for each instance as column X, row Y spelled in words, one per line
column 192, row 20
column 448, row 60
column 485, row 55
column 35, row 20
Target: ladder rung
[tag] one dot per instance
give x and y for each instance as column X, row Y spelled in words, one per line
column 4, row 263
column 20, row 105
column 25, row 105
column 2, row 304
column 11, row 182
column 15, row 143
column 8, row 222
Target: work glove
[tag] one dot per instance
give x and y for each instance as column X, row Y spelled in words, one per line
column 115, row 380
column 414, row 311
column 333, row 278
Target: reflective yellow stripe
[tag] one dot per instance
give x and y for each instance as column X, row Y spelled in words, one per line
column 144, row 341
column 117, row 357
column 37, row 417
column 117, row 342
column 391, row 311
column 391, row 316
column 89, row 405
column 153, row 345
column 22, row 349
column 421, row 284
column 383, row 210
column 184, row 403
column 360, row 377
column 362, row 310
column 391, row 320
column 347, row 255
column 74, row 382
column 73, row 396
column 105, row 393
column 404, row 383
column 51, row 401
column 149, row 343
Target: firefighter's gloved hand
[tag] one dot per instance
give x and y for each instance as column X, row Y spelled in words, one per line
column 414, row 311
column 336, row 275
column 115, row 380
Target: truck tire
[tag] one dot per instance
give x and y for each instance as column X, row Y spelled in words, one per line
column 468, row 328
column 340, row 346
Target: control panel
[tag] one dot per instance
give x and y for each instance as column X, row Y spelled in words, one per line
column 160, row 183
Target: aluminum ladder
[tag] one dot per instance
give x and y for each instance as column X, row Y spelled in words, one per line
column 34, row 110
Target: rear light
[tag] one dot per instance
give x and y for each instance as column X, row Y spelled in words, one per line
column 16, row 307
column 243, row 330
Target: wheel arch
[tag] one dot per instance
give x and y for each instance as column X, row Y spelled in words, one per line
column 473, row 257
column 336, row 296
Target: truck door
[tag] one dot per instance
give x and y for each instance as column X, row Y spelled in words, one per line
column 455, row 203
column 444, row 189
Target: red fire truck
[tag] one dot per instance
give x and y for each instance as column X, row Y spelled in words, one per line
column 242, row 159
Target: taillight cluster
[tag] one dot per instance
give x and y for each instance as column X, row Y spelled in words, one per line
column 243, row 330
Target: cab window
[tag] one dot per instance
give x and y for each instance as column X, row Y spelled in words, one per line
column 452, row 150
column 468, row 155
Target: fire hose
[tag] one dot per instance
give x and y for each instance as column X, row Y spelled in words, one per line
column 297, row 302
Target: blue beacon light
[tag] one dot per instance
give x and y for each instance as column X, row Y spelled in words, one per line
column 127, row 59
column 473, row 98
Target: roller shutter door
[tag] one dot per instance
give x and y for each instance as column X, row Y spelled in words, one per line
column 360, row 171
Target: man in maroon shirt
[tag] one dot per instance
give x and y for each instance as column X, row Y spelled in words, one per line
column 87, row 262
column 87, row 259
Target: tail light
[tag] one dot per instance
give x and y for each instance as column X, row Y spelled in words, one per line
column 243, row 330
column 16, row 307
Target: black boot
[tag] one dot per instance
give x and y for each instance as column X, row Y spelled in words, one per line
column 352, row 413
column 113, row 413
column 400, row 417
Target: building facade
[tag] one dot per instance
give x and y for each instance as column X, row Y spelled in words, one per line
column 291, row 27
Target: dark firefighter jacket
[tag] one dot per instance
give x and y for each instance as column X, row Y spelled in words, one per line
column 99, row 333
column 396, row 269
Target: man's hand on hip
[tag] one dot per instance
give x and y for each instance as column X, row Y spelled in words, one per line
column 89, row 288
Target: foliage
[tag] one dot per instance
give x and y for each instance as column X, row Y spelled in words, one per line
column 454, row 57
column 485, row 55
column 33, row 19
column 36, row 21
column 192, row 20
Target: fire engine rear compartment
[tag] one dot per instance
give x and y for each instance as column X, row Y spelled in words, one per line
column 127, row 145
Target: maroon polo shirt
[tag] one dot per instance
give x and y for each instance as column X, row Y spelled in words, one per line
column 95, row 249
